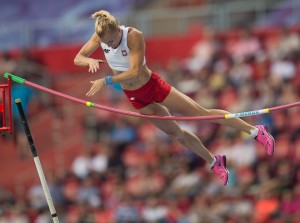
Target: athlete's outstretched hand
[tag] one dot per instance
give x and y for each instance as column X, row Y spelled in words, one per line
column 97, row 85
column 94, row 64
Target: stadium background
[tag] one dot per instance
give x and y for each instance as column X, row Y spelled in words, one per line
column 101, row 167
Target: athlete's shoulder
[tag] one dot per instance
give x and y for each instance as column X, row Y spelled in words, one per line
column 134, row 32
column 134, row 36
column 135, row 39
column 95, row 38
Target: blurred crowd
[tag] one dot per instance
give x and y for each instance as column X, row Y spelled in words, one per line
column 130, row 172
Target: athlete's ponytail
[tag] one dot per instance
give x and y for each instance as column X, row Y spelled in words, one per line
column 104, row 22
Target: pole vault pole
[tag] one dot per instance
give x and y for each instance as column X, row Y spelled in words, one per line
column 37, row 162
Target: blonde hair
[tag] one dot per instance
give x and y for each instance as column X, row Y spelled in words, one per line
column 104, row 23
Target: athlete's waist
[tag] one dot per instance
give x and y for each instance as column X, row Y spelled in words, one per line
column 139, row 81
column 144, row 87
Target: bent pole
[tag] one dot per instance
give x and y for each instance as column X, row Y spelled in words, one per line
column 135, row 114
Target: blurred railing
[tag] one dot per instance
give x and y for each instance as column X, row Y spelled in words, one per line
column 219, row 16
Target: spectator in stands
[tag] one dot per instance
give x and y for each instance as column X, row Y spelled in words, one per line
column 240, row 73
column 282, row 69
column 203, row 52
column 145, row 181
column 124, row 48
column 288, row 45
column 153, row 211
column 81, row 165
column 241, row 153
column 89, row 193
column 185, row 182
column 127, row 210
column 99, row 161
column 246, row 47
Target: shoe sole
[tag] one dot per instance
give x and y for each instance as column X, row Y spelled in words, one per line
column 267, row 131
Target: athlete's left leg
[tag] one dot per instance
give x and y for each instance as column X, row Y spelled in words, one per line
column 183, row 104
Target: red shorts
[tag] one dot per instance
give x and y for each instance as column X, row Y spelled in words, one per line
column 155, row 90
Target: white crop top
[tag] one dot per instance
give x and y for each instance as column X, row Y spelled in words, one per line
column 118, row 59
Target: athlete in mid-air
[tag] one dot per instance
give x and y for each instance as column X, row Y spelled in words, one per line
column 124, row 49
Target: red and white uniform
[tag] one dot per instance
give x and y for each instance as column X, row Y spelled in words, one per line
column 154, row 91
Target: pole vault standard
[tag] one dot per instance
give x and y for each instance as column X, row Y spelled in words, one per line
column 37, row 162
column 6, row 90
column 135, row 114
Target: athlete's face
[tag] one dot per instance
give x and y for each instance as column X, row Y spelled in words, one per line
column 112, row 39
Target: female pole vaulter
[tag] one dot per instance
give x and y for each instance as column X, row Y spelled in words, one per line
column 124, row 49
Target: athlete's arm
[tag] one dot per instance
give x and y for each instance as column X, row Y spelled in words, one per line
column 136, row 44
column 82, row 58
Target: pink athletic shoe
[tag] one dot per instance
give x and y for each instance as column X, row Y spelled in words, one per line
column 265, row 139
column 220, row 168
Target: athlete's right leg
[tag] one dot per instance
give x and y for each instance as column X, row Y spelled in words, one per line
column 186, row 138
